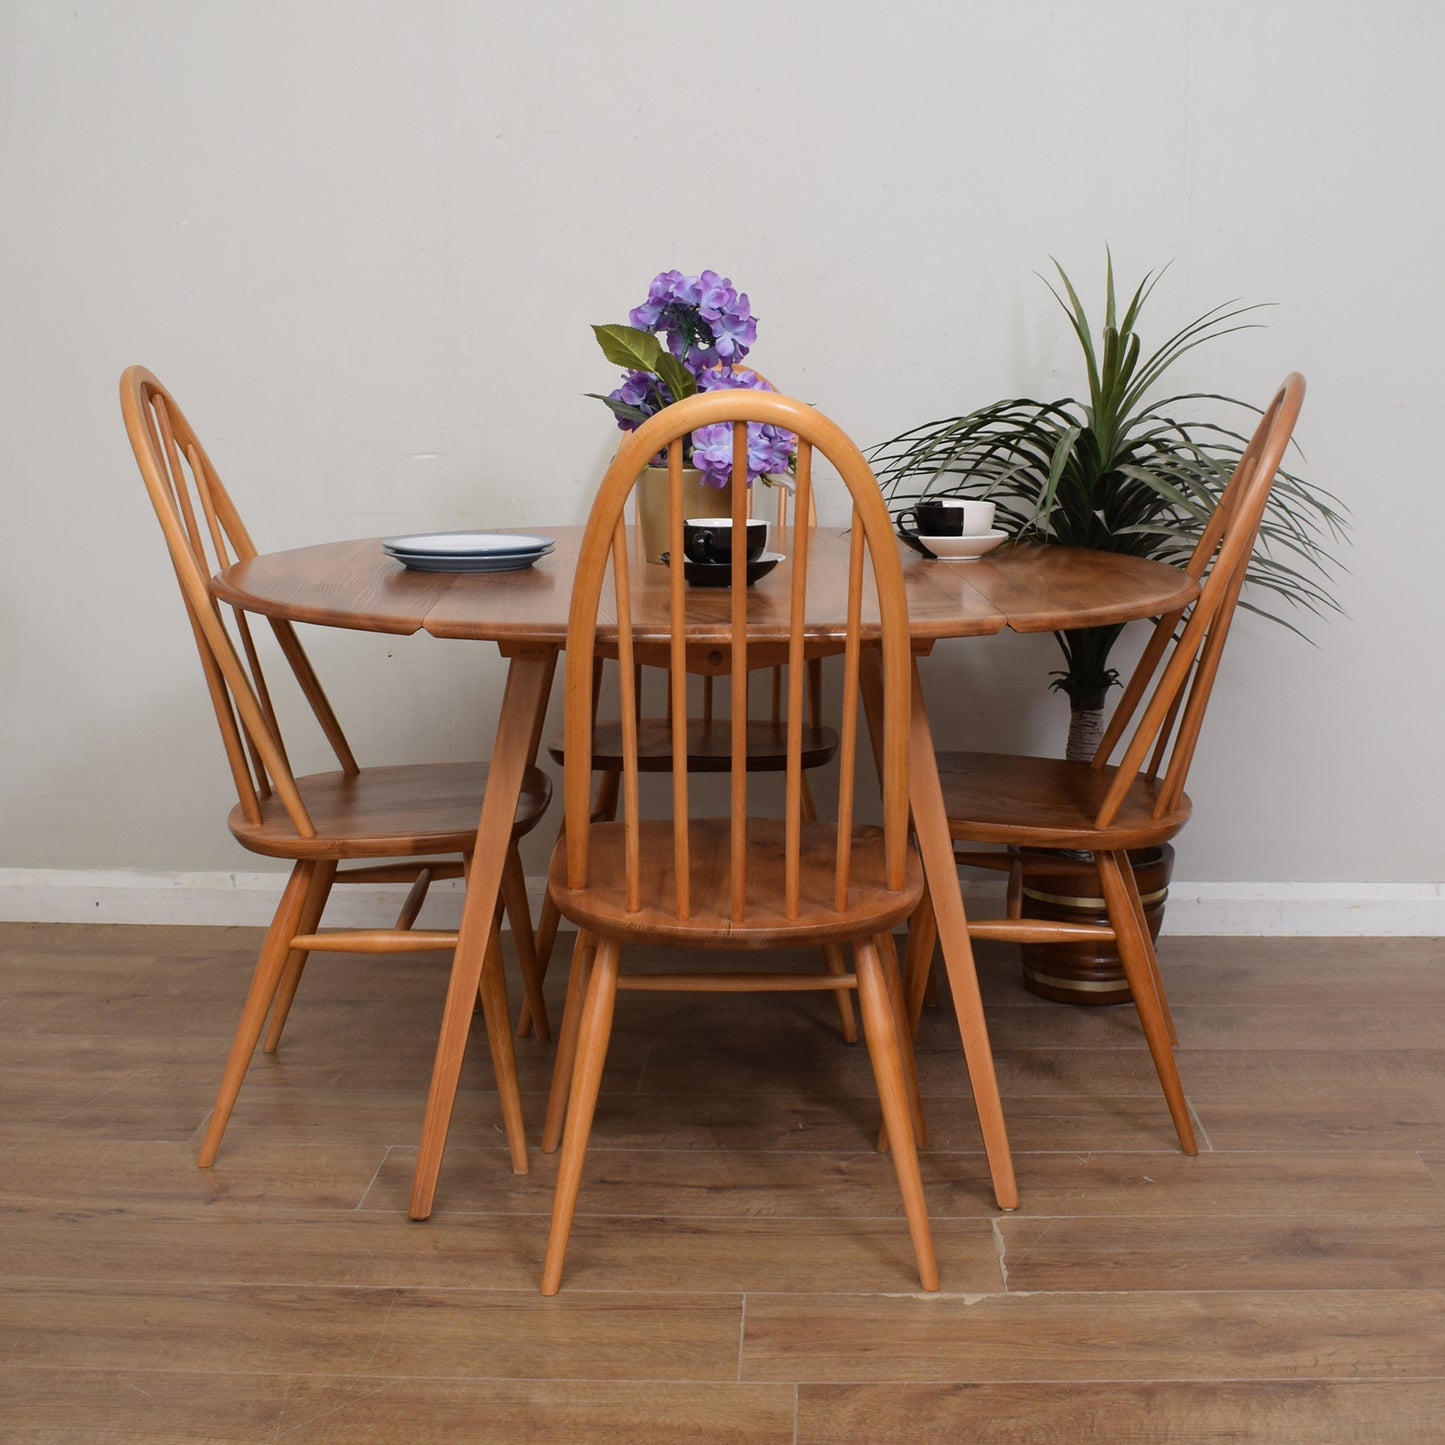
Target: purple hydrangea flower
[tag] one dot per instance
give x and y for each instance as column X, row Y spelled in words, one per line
column 709, row 326
column 644, row 390
column 663, row 292
column 729, row 315
column 770, row 448
column 705, row 320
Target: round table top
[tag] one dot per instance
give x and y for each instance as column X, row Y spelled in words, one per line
column 1028, row 588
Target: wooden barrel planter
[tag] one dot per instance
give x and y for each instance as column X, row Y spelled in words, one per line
column 1059, row 888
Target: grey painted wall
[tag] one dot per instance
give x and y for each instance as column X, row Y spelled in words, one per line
column 363, row 242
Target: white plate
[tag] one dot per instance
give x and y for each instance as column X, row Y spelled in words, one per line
column 963, row 549
column 513, row 562
column 474, row 545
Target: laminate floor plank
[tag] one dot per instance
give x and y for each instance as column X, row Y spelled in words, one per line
column 362, row 1411
column 734, row 1184
column 802, row 1256
column 1369, row 1122
column 1292, row 1075
column 1403, row 1412
column 1229, row 1251
column 1286, row 1073
column 1089, row 1185
column 1187, row 1335
column 81, row 1171
column 700, row 1120
column 294, row 1329
column 46, row 1406
column 278, row 1246
column 1382, row 1024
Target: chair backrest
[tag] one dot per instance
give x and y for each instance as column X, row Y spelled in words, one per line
column 1169, row 727
column 204, row 533
column 782, row 500
column 874, row 570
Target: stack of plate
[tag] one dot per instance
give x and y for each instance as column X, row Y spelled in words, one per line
column 467, row 551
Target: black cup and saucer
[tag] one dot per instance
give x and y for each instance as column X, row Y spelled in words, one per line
column 952, row 527
column 707, row 545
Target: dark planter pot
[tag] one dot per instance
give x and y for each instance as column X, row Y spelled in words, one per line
column 1085, row 973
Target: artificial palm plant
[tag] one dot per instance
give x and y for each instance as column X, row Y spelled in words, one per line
column 1121, row 472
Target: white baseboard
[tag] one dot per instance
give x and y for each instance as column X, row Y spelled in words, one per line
column 61, row 895
column 125, row 895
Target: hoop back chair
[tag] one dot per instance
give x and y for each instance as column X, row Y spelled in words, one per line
column 709, row 750
column 403, row 814
column 1104, row 809
column 741, row 881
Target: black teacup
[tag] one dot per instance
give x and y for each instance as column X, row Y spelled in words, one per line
column 946, row 517
column 710, row 539
column 933, row 519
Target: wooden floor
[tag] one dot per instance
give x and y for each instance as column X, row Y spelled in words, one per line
column 740, row 1270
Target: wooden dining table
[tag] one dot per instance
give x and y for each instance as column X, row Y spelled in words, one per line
column 1026, row 588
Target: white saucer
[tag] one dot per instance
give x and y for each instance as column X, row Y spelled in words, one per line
column 963, row 549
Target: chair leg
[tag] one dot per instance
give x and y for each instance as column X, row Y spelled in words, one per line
column 880, row 1029
column 546, row 940
column 1014, row 896
column 596, row 1029
column 1117, row 883
column 809, row 807
column 308, row 922
column 274, row 953
column 894, row 980
column 416, row 896
column 498, row 1018
column 1143, row 929
column 604, row 806
column 918, row 961
column 582, row 955
column 833, row 961
column 514, row 896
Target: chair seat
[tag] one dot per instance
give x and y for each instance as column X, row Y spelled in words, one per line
column 709, row 746
column 601, row 907
column 402, row 812
column 1048, row 803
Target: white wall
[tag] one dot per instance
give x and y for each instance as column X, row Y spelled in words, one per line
column 363, row 243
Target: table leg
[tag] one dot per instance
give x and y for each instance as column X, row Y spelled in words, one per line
column 930, row 826
column 519, row 729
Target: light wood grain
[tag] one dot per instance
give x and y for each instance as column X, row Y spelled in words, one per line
column 1231, row 1251
column 526, row 614
column 1102, row 808
column 1275, row 1293
column 1028, row 588
column 452, row 1332
column 1405, row 1412
column 739, row 882
column 1232, row 1334
column 318, row 820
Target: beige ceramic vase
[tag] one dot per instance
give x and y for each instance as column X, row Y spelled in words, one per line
column 698, row 500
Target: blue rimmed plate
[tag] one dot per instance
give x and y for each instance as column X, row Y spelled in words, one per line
column 467, row 551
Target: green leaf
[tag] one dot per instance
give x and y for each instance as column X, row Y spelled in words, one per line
column 631, row 413
column 628, row 347
column 680, row 381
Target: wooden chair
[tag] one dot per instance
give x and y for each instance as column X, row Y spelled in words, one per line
column 709, row 750
column 741, row 881
column 1104, row 810
column 403, row 814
